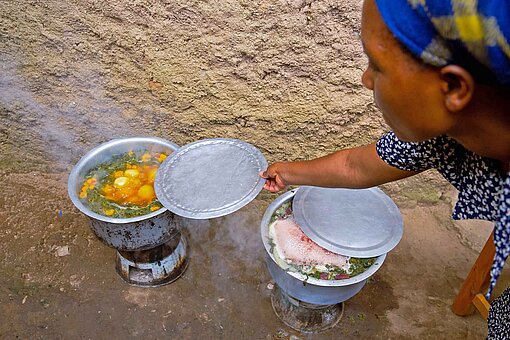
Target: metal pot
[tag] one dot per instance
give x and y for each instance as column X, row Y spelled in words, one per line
column 308, row 289
column 126, row 234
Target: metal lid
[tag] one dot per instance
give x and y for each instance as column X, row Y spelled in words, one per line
column 210, row 178
column 352, row 222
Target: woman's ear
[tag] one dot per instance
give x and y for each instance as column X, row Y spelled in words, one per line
column 458, row 86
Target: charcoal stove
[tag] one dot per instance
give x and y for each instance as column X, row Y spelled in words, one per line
column 303, row 316
column 154, row 267
column 151, row 249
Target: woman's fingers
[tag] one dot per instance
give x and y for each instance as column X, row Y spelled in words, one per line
column 274, row 182
column 273, row 185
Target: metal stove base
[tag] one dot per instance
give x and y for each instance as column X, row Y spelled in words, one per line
column 154, row 267
column 305, row 317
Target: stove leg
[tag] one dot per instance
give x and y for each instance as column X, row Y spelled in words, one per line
column 135, row 270
column 305, row 317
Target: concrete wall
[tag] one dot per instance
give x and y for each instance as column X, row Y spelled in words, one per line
column 282, row 75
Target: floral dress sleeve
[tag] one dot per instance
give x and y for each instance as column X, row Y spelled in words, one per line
column 433, row 153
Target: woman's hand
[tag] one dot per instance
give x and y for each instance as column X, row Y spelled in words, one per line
column 275, row 177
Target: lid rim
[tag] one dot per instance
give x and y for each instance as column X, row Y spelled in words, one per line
column 329, row 241
column 163, row 188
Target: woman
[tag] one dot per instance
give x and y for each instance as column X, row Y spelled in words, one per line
column 440, row 73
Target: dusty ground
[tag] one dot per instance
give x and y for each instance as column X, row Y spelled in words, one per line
column 283, row 75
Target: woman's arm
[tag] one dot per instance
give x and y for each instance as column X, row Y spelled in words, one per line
column 359, row 167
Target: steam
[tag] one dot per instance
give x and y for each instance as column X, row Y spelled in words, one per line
column 69, row 115
column 231, row 245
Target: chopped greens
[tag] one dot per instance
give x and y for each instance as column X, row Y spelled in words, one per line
column 283, row 212
column 358, row 266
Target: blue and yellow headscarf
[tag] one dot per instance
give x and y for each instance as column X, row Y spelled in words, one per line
column 474, row 34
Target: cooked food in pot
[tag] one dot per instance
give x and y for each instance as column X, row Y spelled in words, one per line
column 124, row 186
column 297, row 248
column 294, row 251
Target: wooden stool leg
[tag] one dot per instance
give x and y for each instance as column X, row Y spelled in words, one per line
column 481, row 303
column 477, row 280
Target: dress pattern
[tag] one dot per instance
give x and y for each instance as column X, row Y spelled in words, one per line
column 484, row 193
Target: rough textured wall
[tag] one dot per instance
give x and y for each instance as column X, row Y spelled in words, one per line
column 282, row 75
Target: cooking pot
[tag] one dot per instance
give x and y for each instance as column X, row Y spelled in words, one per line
column 125, row 234
column 302, row 287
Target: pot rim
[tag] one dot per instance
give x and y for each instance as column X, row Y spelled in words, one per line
column 264, row 231
column 73, row 177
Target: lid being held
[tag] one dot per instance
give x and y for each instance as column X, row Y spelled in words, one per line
column 353, row 222
column 210, row 178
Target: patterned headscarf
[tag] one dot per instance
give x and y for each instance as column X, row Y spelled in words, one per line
column 474, row 34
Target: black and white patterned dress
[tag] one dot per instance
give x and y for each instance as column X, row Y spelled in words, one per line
column 484, row 193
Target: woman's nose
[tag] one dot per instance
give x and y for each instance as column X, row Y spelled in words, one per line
column 367, row 79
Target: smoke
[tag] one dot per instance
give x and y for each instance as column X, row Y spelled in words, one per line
column 62, row 118
column 230, row 245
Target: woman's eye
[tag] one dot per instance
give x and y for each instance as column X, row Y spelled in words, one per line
column 372, row 66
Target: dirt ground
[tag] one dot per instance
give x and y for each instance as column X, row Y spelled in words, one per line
column 282, row 75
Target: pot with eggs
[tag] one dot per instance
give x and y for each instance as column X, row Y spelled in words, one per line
column 113, row 184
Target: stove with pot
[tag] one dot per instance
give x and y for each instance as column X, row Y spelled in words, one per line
column 151, row 249
column 312, row 305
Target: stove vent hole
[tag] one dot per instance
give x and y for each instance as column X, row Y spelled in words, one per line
column 140, row 275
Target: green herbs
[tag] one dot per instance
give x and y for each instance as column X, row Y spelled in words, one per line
column 358, row 266
column 117, row 163
column 355, row 267
column 331, row 273
column 283, row 212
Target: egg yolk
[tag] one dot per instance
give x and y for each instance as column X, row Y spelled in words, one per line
column 132, row 186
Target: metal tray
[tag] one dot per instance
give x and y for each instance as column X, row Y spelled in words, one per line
column 210, row 178
column 354, row 222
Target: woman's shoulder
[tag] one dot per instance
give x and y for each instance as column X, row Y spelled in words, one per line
column 419, row 156
column 442, row 153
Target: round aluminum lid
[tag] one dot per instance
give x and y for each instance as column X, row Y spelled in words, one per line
column 352, row 222
column 210, row 178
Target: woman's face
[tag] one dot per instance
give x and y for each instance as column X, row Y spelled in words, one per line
column 408, row 93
